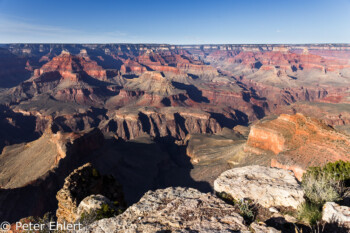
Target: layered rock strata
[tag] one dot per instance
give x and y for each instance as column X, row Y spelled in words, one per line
column 298, row 142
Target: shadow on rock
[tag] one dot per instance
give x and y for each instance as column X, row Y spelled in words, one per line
column 16, row 127
column 144, row 165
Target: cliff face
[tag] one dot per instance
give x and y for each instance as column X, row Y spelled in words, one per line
column 298, row 142
column 166, row 122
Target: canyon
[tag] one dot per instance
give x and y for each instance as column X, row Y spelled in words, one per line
column 155, row 116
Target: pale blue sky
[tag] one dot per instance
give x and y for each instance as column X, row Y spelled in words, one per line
column 175, row 22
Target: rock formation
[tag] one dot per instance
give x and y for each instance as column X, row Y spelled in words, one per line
column 72, row 67
column 175, row 122
column 298, row 142
column 92, row 203
column 334, row 213
column 265, row 186
column 81, row 183
column 174, row 209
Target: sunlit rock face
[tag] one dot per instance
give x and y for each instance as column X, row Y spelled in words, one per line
column 298, row 142
column 174, row 209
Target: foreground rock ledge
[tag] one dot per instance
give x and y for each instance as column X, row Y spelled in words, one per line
column 264, row 185
column 333, row 212
column 174, row 209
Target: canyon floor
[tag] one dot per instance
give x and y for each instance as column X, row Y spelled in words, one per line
column 156, row 117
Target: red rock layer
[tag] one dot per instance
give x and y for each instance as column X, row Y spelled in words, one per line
column 73, row 67
column 176, row 62
column 267, row 60
column 299, row 142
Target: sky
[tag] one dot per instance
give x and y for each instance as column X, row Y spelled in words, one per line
column 175, row 22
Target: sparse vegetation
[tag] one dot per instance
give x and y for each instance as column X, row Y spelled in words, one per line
column 104, row 212
column 310, row 213
column 338, row 170
column 322, row 184
column 322, row 187
column 246, row 208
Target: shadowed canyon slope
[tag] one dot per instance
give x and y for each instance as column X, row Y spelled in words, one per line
column 157, row 115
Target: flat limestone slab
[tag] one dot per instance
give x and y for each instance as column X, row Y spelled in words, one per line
column 264, row 185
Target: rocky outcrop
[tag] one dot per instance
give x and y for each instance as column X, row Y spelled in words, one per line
column 298, row 142
column 92, row 203
column 81, row 183
column 334, row 213
column 174, row 209
column 265, row 186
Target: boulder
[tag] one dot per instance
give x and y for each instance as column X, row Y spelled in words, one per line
column 333, row 212
column 92, row 203
column 264, row 185
column 174, row 209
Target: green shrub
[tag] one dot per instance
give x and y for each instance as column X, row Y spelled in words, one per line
column 246, row 210
column 322, row 184
column 338, row 170
column 105, row 212
column 322, row 188
column 310, row 213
